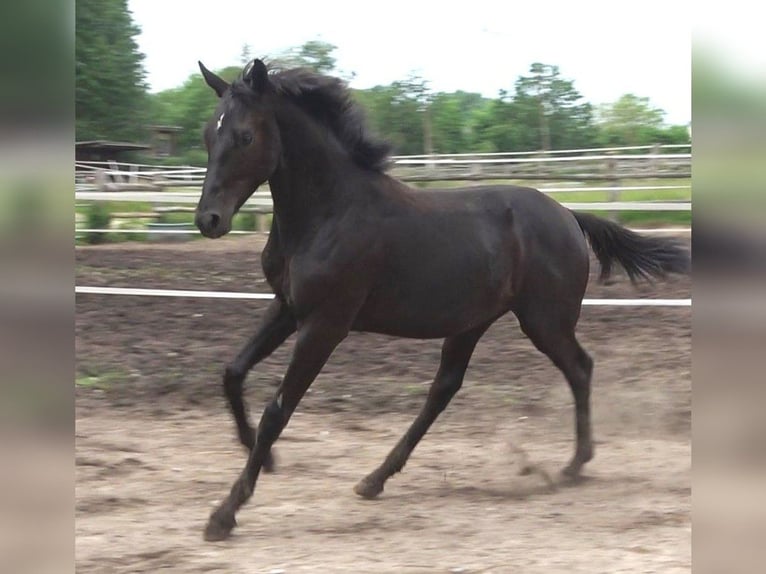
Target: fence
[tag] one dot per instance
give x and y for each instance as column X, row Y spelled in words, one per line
column 113, row 181
column 595, row 164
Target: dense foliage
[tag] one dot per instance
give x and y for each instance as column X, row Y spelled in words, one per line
column 110, row 92
column 544, row 110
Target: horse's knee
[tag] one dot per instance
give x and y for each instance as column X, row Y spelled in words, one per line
column 233, row 377
column 444, row 388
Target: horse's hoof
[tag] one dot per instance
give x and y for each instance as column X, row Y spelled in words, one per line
column 526, row 470
column 368, row 488
column 219, row 527
column 571, row 472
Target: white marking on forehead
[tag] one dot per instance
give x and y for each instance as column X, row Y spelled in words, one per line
column 220, row 121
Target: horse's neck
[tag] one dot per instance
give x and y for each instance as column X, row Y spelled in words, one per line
column 307, row 185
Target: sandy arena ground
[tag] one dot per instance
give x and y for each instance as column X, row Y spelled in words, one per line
column 156, row 449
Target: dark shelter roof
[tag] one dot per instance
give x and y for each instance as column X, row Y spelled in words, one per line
column 102, row 150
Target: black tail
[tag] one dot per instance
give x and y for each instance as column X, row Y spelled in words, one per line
column 641, row 256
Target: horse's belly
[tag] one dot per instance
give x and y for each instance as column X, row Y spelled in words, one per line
column 435, row 312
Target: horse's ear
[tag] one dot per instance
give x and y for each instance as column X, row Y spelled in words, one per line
column 256, row 75
column 218, row 84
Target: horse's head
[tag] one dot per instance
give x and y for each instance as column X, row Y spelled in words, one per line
column 243, row 146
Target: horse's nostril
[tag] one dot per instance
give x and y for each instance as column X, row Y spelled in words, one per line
column 207, row 222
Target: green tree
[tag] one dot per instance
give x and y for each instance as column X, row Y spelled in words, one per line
column 395, row 116
column 545, row 111
column 631, row 120
column 550, row 111
column 189, row 107
column 396, row 112
column 314, row 54
column 110, row 91
column 246, row 54
column 493, row 127
column 676, row 134
column 451, row 115
column 415, row 90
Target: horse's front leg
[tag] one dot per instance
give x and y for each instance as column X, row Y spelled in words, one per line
column 317, row 338
column 276, row 326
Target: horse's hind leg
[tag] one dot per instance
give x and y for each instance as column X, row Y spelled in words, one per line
column 276, row 326
column 551, row 328
column 456, row 353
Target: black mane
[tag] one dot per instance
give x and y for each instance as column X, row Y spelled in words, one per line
column 328, row 100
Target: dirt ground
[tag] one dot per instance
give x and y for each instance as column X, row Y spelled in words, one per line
column 156, row 448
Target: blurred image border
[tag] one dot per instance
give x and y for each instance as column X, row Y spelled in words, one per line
column 36, row 284
column 729, row 317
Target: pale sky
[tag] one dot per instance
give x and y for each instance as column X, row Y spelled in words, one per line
column 607, row 48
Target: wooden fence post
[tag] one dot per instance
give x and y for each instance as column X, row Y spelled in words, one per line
column 99, row 179
column 654, row 160
column 613, row 194
column 260, row 221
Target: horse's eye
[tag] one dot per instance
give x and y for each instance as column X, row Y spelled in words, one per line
column 247, row 138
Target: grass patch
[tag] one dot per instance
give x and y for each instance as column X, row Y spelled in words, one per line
column 185, row 217
column 416, row 390
column 88, row 382
column 656, row 218
column 100, row 381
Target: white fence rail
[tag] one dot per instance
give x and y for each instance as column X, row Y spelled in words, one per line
column 584, row 164
column 134, row 292
column 657, row 148
column 194, row 231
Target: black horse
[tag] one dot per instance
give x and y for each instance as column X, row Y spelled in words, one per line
column 352, row 249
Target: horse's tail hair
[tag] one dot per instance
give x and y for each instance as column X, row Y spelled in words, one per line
column 641, row 256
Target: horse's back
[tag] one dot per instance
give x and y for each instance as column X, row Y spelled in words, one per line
column 550, row 253
column 538, row 222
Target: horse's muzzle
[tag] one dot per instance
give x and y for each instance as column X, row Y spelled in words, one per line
column 210, row 224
